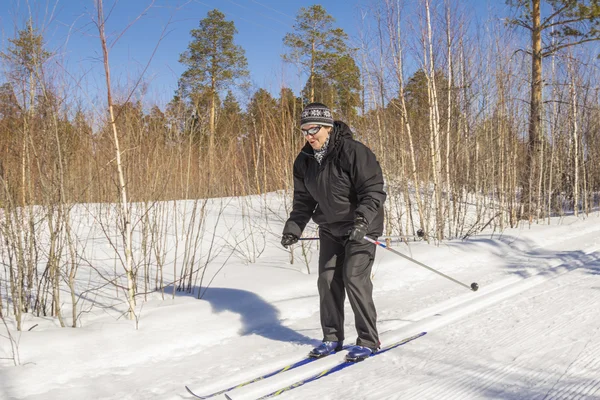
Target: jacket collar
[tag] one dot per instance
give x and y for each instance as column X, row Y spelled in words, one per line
column 340, row 132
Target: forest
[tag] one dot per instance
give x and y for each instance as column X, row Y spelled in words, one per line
column 474, row 126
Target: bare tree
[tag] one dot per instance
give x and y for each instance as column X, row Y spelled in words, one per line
column 125, row 216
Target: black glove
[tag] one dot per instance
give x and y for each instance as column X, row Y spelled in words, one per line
column 359, row 230
column 288, row 239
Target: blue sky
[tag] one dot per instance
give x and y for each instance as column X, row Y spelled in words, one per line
column 261, row 24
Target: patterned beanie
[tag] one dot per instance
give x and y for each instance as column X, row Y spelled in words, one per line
column 316, row 113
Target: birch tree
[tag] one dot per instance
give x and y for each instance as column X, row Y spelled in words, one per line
column 125, row 212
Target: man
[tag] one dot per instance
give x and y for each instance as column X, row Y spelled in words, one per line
column 339, row 184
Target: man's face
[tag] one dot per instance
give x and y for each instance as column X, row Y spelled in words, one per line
column 316, row 135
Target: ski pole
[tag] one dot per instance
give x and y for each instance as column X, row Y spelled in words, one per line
column 382, row 237
column 474, row 286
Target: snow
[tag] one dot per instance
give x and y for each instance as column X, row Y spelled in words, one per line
column 532, row 331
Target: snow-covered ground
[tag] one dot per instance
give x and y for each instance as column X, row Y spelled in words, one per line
column 532, row 331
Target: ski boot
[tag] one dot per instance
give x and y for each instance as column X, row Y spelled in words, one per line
column 325, row 349
column 359, row 353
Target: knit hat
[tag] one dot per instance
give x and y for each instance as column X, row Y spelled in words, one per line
column 316, row 113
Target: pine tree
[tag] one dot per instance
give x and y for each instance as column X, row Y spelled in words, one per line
column 231, row 118
column 214, row 63
column 345, row 75
column 25, row 58
column 321, row 50
column 569, row 23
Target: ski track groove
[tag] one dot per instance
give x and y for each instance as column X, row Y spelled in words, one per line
column 589, row 361
column 530, row 331
column 505, row 381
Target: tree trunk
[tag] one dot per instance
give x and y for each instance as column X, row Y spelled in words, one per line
column 535, row 117
column 448, row 120
column 312, row 74
column 575, row 139
column 434, row 126
column 395, row 38
column 127, row 235
column 211, row 136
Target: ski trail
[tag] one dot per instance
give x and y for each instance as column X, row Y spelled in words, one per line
column 517, row 368
column 588, row 360
column 510, row 294
column 514, row 367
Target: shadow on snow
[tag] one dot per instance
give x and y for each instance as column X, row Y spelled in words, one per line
column 541, row 260
column 258, row 316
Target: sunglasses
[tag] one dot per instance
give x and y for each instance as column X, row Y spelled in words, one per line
column 312, row 131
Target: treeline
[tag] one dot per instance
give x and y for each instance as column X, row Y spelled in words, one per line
column 458, row 122
column 467, row 134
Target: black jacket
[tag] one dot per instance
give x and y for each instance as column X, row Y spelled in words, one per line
column 349, row 182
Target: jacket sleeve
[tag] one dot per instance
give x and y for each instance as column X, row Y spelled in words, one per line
column 367, row 179
column 303, row 205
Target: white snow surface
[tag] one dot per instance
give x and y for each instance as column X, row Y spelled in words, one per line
column 532, row 331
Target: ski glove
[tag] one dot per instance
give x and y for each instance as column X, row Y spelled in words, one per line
column 359, row 230
column 288, row 239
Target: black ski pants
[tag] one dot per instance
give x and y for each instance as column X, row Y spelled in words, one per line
column 345, row 267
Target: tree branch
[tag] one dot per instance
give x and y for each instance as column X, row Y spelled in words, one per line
column 554, row 49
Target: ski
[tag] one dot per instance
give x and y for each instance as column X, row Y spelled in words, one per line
column 336, row 368
column 304, row 361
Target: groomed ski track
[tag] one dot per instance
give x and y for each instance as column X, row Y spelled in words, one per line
column 515, row 306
